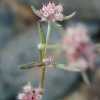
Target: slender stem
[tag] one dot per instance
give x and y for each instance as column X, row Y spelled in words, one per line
column 41, row 52
column 51, row 46
column 48, row 35
column 45, row 51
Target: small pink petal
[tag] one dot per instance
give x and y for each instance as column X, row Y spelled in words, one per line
column 59, row 8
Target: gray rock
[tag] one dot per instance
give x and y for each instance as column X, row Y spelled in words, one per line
column 19, row 50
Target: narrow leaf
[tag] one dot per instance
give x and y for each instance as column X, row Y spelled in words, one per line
column 42, row 41
column 68, row 67
column 41, row 34
column 69, row 16
column 27, row 66
column 33, row 9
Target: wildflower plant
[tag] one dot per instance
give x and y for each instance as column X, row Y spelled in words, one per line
column 76, row 44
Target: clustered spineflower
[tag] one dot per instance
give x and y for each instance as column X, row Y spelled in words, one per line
column 78, row 47
column 51, row 12
column 30, row 93
column 76, row 43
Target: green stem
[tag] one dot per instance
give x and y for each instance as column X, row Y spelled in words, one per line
column 48, row 35
column 41, row 52
column 43, row 40
column 51, row 46
column 45, row 51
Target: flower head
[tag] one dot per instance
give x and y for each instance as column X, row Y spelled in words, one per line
column 29, row 93
column 78, row 46
column 49, row 60
column 51, row 12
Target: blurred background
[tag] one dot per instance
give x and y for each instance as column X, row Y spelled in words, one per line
column 18, row 45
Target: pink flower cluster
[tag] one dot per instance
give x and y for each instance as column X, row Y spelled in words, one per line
column 29, row 93
column 78, row 46
column 51, row 12
column 49, row 60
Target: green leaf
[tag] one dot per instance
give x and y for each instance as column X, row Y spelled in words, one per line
column 71, row 68
column 57, row 28
column 33, row 9
column 42, row 41
column 69, row 16
column 41, row 34
column 61, row 66
column 27, row 66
